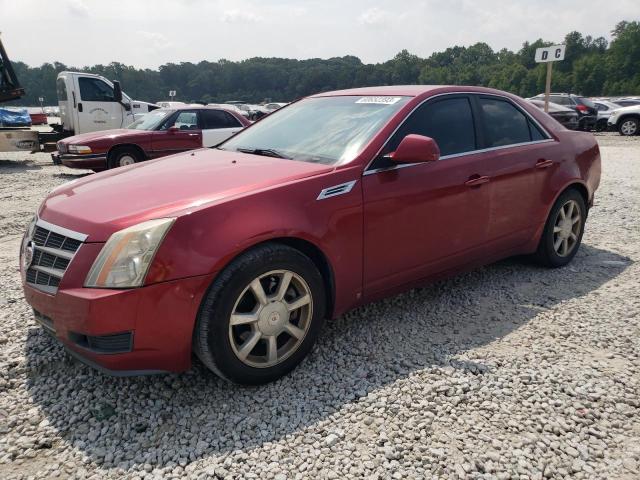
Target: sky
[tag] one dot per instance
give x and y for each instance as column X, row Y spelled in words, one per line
column 148, row 33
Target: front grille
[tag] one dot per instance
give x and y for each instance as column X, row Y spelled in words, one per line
column 62, row 147
column 52, row 249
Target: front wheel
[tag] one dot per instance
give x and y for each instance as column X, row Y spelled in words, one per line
column 123, row 156
column 629, row 127
column 261, row 316
column 563, row 231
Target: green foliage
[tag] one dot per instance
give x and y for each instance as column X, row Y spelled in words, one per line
column 591, row 67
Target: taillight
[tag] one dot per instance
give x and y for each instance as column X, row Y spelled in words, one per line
column 582, row 108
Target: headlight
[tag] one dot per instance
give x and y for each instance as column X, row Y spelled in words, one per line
column 79, row 149
column 124, row 260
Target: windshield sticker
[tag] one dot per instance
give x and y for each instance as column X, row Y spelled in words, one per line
column 379, row 100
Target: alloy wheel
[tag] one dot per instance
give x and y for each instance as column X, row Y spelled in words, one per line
column 629, row 127
column 566, row 229
column 270, row 318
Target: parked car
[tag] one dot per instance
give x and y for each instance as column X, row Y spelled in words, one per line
column 159, row 133
column 166, row 104
column 627, row 102
column 38, row 116
column 604, row 108
column 626, row 120
column 587, row 113
column 274, row 106
column 238, row 253
column 566, row 116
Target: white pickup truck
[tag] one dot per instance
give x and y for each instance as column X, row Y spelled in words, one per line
column 88, row 103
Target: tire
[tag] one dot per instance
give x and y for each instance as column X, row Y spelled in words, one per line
column 552, row 251
column 629, row 126
column 221, row 345
column 123, row 156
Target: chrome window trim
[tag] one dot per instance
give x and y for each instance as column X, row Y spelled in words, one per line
column 455, row 155
column 462, row 154
column 61, row 230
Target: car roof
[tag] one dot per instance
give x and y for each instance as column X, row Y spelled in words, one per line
column 410, row 90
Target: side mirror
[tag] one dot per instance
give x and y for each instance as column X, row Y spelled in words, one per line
column 117, row 91
column 173, row 129
column 416, row 149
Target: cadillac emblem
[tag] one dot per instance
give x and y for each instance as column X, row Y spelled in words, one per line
column 27, row 255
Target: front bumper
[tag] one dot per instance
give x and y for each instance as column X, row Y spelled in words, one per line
column 90, row 162
column 159, row 318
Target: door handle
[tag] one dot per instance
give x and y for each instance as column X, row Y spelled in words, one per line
column 542, row 163
column 193, row 134
column 476, row 181
column 79, row 107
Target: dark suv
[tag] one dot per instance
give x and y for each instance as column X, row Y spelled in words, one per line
column 586, row 110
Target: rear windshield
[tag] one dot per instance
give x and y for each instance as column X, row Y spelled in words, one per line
column 61, row 90
column 586, row 102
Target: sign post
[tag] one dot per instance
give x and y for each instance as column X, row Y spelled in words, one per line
column 548, row 55
column 41, row 100
column 172, row 94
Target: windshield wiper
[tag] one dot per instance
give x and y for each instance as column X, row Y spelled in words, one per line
column 265, row 152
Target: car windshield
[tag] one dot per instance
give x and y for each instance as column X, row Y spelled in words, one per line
column 328, row 130
column 151, row 120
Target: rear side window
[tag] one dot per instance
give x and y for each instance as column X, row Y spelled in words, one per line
column 504, row 124
column 560, row 100
column 213, row 119
column 95, row 90
column 449, row 122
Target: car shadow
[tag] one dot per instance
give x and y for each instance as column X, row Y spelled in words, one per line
column 181, row 418
column 72, row 176
column 16, row 166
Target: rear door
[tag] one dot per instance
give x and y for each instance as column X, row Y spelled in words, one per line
column 179, row 133
column 217, row 125
column 421, row 219
column 95, row 105
column 520, row 157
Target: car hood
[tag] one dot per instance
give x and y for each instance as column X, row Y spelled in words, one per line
column 630, row 108
column 119, row 133
column 101, row 204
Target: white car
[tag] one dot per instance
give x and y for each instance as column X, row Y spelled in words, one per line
column 625, row 120
column 604, row 108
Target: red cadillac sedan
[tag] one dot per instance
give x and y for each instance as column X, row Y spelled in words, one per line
column 239, row 253
column 159, row 133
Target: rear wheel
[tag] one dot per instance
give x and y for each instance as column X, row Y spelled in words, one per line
column 123, row 156
column 563, row 231
column 629, row 127
column 261, row 316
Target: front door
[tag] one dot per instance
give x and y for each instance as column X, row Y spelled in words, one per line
column 426, row 218
column 95, row 106
column 179, row 133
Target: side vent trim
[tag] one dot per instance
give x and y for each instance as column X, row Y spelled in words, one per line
column 336, row 190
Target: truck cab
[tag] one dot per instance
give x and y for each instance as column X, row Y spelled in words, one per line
column 90, row 103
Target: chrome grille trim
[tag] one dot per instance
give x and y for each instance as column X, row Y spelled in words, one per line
column 53, row 250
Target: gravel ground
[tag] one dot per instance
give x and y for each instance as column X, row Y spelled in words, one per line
column 510, row 371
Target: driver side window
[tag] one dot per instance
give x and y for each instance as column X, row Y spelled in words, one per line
column 95, row 90
column 184, row 120
column 449, row 122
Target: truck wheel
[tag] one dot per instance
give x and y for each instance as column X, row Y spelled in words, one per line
column 629, row 127
column 261, row 315
column 123, row 156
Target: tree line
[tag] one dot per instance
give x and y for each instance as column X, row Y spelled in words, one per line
column 592, row 67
